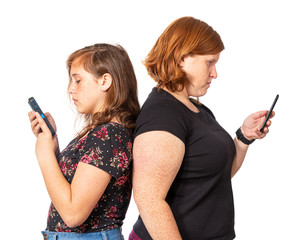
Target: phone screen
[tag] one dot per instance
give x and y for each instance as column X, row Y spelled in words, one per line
column 35, row 107
column 269, row 113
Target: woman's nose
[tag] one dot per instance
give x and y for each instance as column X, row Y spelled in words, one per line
column 213, row 73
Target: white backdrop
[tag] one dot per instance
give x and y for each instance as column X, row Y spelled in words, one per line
column 260, row 60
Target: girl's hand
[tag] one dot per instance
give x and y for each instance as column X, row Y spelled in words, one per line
column 34, row 123
column 253, row 123
column 45, row 143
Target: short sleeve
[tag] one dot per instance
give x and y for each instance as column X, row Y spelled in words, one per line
column 108, row 147
column 162, row 115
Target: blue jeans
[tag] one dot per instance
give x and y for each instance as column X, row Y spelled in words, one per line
column 114, row 234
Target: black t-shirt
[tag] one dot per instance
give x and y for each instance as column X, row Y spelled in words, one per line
column 107, row 147
column 200, row 197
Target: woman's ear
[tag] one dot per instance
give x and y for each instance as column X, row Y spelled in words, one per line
column 181, row 61
column 106, row 82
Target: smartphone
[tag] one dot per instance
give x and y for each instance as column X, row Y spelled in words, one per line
column 35, row 107
column 269, row 113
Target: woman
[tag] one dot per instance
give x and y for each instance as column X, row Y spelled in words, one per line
column 183, row 159
column 89, row 182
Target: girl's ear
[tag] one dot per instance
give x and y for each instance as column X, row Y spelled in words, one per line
column 106, row 82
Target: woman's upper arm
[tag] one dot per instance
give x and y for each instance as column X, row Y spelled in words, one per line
column 157, row 157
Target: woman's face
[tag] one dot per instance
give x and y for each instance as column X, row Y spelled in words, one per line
column 199, row 70
column 85, row 90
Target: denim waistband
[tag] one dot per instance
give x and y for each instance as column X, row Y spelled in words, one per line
column 113, row 234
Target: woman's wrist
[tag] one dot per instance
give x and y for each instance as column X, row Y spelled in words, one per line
column 243, row 138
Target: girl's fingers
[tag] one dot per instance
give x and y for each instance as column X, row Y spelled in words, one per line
column 42, row 124
column 34, row 123
column 31, row 116
column 35, row 127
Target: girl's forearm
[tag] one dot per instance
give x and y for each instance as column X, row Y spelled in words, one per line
column 57, row 186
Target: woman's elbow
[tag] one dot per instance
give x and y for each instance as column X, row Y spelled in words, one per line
column 146, row 199
column 140, row 199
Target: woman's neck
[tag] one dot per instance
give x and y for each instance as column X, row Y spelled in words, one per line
column 183, row 97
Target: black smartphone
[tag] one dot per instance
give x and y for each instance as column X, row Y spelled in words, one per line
column 35, row 107
column 269, row 113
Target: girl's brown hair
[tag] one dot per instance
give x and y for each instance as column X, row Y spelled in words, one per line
column 122, row 99
column 184, row 36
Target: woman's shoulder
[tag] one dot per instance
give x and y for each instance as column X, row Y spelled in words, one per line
column 160, row 102
column 162, row 112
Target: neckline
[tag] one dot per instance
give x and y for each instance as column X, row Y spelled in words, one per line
column 109, row 123
column 87, row 134
column 181, row 103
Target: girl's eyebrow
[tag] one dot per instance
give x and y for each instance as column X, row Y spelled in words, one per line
column 75, row 75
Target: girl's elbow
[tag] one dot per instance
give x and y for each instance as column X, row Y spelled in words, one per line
column 73, row 220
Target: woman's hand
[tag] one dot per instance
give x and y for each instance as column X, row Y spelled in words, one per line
column 251, row 130
column 252, row 125
column 45, row 142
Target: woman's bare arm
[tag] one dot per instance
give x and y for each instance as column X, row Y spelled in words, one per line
column 157, row 159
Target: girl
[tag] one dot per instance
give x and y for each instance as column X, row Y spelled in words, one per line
column 89, row 182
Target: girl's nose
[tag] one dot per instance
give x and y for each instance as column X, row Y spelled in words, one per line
column 71, row 88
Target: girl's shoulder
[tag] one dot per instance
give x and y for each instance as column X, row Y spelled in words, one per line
column 110, row 130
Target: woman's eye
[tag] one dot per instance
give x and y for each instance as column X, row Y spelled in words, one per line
column 77, row 81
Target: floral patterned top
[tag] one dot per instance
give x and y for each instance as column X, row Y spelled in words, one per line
column 108, row 147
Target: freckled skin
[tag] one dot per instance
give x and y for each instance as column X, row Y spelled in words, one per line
column 153, row 176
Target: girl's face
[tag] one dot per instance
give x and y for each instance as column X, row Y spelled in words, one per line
column 86, row 91
column 200, row 70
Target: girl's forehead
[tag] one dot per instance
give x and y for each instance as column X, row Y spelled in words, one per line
column 77, row 67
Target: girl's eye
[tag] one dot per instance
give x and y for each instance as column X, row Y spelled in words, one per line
column 77, row 81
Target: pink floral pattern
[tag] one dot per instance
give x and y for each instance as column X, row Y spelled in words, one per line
column 111, row 212
column 108, row 147
column 67, row 166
